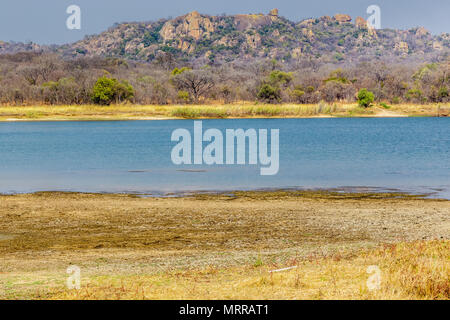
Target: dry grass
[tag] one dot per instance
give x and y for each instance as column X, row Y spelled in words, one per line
column 251, row 111
column 427, row 110
column 418, row 270
column 243, row 110
column 222, row 246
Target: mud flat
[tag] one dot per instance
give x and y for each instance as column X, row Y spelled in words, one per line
column 154, row 247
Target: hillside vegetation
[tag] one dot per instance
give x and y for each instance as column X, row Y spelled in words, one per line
column 198, row 58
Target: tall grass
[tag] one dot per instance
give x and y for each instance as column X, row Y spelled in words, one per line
column 264, row 110
column 244, row 110
column 199, row 112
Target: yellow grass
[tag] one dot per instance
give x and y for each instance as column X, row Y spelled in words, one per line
column 419, row 270
column 242, row 110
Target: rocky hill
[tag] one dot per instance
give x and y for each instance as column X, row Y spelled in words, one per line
column 15, row 47
column 198, row 37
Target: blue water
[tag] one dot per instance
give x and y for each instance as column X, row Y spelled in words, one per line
column 408, row 154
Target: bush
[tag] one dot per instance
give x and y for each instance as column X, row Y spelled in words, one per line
column 297, row 94
column 269, row 93
column 107, row 90
column 415, row 95
column 365, row 98
column 443, row 93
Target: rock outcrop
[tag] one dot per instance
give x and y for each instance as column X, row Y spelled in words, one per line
column 191, row 25
column 195, row 37
column 360, row 23
column 253, row 40
column 343, row 18
column 401, row 47
column 251, row 21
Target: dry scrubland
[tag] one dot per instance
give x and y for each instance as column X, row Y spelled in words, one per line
column 138, row 112
column 223, row 246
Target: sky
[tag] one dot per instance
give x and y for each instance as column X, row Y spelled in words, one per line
column 44, row 21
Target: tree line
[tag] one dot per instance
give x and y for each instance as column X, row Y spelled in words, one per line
column 33, row 78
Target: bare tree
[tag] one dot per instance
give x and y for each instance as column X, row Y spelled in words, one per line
column 165, row 60
column 196, row 82
column 47, row 65
column 30, row 74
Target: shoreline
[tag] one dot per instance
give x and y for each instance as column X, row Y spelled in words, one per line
column 333, row 192
column 201, row 118
column 212, row 111
column 156, row 118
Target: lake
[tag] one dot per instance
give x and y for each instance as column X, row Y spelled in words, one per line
column 406, row 154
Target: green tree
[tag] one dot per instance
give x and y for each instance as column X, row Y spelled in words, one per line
column 297, row 93
column 108, row 90
column 269, row 93
column 365, row 98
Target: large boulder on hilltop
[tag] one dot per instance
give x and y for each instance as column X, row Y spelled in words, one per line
column 191, row 25
column 343, row 18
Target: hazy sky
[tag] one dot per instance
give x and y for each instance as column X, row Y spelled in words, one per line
column 44, row 21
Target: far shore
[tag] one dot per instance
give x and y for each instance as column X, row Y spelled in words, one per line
column 215, row 111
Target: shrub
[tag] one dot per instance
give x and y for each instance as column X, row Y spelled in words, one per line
column 443, row 93
column 269, row 93
column 415, row 95
column 297, row 94
column 365, row 98
column 107, row 90
column 103, row 91
column 64, row 91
